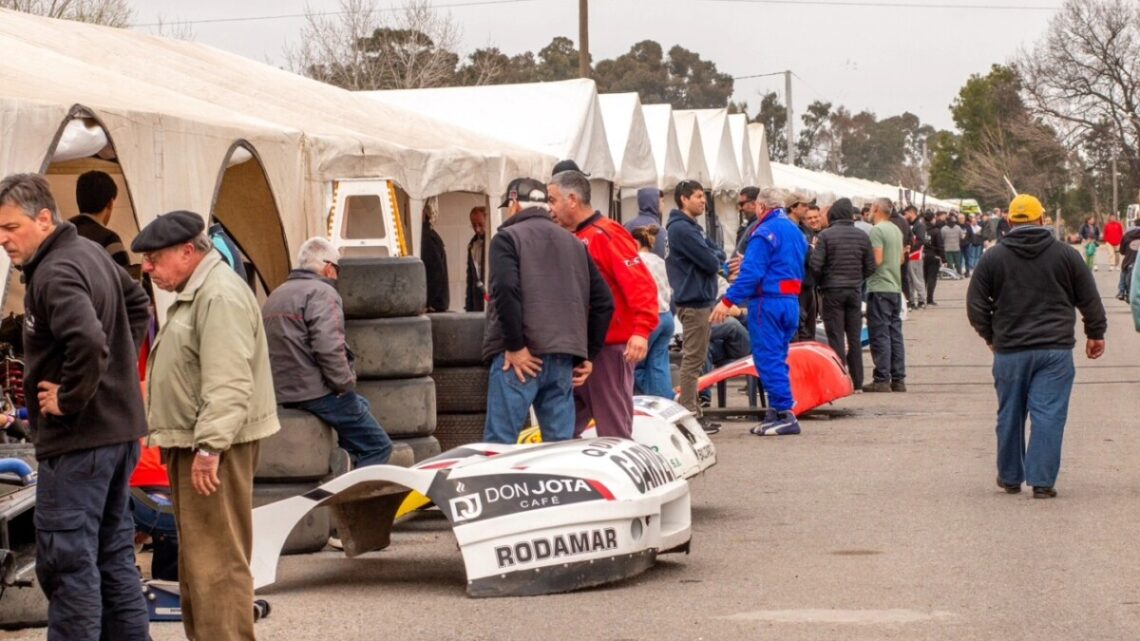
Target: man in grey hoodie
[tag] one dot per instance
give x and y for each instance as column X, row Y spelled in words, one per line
column 649, row 213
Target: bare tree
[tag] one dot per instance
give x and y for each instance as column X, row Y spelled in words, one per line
column 112, row 13
column 1083, row 77
column 363, row 46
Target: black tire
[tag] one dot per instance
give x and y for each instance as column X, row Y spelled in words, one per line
column 453, row 430
column 404, row 408
column 391, row 347
column 385, row 287
column 423, row 447
column 300, row 451
column 457, row 338
column 461, row 390
column 312, row 533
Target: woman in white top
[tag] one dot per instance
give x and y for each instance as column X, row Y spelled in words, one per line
column 652, row 376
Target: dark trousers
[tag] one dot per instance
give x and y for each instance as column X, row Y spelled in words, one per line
column 85, row 555
column 357, row 431
column 906, row 284
column 843, row 322
column 930, row 267
column 607, row 395
column 809, row 313
column 884, row 325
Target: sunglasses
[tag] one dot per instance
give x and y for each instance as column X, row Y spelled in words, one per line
column 742, row 203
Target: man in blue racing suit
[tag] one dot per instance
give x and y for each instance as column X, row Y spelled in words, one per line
column 769, row 282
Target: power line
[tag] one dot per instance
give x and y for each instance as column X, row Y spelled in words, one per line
column 893, row 5
column 284, row 16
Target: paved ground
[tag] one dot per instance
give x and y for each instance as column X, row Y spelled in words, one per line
column 882, row 524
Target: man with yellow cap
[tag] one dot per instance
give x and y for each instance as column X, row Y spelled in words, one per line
column 1022, row 301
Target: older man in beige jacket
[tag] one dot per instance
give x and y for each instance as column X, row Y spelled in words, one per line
column 210, row 400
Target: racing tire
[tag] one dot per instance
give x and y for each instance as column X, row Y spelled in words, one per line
column 453, row 430
column 382, row 287
column 422, row 448
column 391, row 347
column 461, row 390
column 299, row 451
column 404, row 407
column 457, row 338
column 311, row 534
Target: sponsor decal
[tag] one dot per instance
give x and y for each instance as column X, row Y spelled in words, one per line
column 556, row 547
column 704, row 452
column 645, row 469
column 478, row 498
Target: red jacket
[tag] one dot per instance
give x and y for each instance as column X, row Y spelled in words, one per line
column 1113, row 233
column 635, row 293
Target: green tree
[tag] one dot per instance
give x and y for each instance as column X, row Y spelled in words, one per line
column 557, row 61
column 946, row 165
column 774, row 116
column 682, row 78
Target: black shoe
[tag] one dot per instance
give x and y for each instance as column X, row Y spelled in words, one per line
column 1121, row 297
column 898, row 386
column 932, row 303
column 708, row 426
column 1008, row 487
column 1044, row 492
column 878, row 386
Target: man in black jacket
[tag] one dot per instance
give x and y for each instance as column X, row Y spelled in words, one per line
column 914, row 262
column 1021, row 302
column 476, row 265
column 549, row 312
column 841, row 261
column 434, row 255
column 932, row 256
column 85, row 319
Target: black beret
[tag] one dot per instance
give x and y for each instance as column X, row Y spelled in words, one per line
column 167, row 230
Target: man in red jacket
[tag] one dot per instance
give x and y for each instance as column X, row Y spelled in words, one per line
column 607, row 394
column 1113, row 234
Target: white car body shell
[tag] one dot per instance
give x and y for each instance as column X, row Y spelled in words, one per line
column 529, row 519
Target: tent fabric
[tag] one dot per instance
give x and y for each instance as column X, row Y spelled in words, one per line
column 628, row 139
column 692, row 147
column 562, row 119
column 758, row 142
column 738, row 129
column 664, row 142
column 719, row 154
column 173, row 110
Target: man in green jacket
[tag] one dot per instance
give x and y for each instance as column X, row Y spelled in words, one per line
column 209, row 401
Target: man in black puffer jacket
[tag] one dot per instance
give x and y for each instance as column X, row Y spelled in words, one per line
column 841, row 261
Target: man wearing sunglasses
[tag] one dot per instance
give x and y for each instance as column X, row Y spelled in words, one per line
column 312, row 365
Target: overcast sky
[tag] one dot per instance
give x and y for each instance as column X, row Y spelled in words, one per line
column 885, row 59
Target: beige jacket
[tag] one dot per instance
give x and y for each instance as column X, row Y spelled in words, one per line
column 209, row 384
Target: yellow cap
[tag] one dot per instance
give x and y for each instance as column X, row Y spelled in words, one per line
column 1025, row 209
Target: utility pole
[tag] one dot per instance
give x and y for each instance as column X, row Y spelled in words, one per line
column 583, row 39
column 791, row 122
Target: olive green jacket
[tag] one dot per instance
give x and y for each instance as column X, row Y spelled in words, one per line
column 209, row 384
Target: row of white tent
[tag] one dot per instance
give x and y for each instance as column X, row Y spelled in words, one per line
column 185, row 126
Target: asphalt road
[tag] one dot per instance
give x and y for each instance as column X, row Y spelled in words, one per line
column 880, row 521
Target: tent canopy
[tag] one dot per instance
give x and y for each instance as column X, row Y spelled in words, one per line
column 738, row 128
column 692, row 147
column 561, row 119
column 720, row 157
column 758, row 142
column 628, row 138
column 666, row 148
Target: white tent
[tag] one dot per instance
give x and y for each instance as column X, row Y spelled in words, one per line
column 758, row 142
column 724, row 180
column 630, row 148
column 692, row 146
column 562, row 119
column 179, row 115
column 738, row 129
column 666, row 147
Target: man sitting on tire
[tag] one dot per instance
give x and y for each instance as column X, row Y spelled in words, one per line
column 312, row 365
column 547, row 318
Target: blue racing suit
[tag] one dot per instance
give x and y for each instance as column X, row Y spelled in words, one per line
column 769, row 283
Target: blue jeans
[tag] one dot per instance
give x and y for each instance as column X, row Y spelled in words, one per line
column 85, row 555
column 1037, row 384
column 884, row 325
column 652, row 375
column 357, row 431
column 551, row 393
column 973, row 255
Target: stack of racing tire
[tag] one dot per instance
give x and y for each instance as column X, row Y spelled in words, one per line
column 460, row 377
column 392, row 342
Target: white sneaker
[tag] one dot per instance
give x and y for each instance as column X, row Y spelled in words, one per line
column 1096, row 268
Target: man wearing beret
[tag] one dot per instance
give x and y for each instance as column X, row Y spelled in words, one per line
column 1021, row 302
column 84, row 320
column 209, row 401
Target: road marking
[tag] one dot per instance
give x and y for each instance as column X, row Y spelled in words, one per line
column 858, row 617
